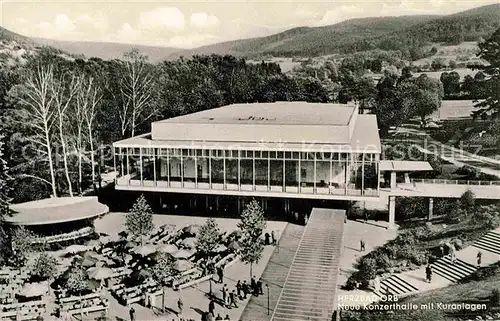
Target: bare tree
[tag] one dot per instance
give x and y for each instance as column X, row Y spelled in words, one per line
column 137, row 91
column 63, row 93
column 87, row 102
column 36, row 95
column 94, row 96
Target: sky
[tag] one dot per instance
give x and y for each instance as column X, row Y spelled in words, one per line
column 189, row 23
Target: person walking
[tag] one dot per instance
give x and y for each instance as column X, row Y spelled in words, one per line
column 253, row 286
column 428, row 273
column 479, row 257
column 441, row 248
column 220, row 273
column 362, row 245
column 245, row 289
column 180, row 306
column 211, row 308
column 259, row 287
column 365, row 215
column 238, row 289
column 225, row 294
column 273, row 237
column 306, row 219
column 453, row 256
column 232, row 299
column 131, row 313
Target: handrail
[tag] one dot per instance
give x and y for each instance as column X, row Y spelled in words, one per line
column 455, row 182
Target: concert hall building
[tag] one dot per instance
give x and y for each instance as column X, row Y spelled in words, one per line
column 289, row 155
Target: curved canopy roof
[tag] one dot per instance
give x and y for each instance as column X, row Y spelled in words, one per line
column 56, row 210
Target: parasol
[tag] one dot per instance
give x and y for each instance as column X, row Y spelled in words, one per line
column 183, row 254
column 189, row 243
column 99, row 273
column 183, row 265
column 235, row 246
column 144, row 250
column 192, row 229
column 167, row 248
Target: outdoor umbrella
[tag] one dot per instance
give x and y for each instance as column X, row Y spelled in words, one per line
column 77, row 248
column 235, row 246
column 192, row 229
column 183, row 265
column 220, row 248
column 33, row 290
column 87, row 261
column 189, row 243
column 144, row 250
column 167, row 248
column 168, row 227
column 183, row 254
column 99, row 273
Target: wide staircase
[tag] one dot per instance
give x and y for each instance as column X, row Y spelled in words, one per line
column 400, row 285
column 309, row 292
column 275, row 275
column 490, row 242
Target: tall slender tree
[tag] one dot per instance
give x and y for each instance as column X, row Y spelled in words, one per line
column 252, row 225
column 4, row 202
column 36, row 96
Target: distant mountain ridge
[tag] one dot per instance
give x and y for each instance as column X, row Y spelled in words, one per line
column 388, row 33
column 106, row 50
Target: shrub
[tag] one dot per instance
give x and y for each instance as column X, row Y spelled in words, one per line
column 419, row 258
column 495, row 297
column 368, row 269
column 423, row 233
column 406, row 238
column 383, row 261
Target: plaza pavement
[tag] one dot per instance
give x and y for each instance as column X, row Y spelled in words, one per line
column 373, row 236
column 195, row 298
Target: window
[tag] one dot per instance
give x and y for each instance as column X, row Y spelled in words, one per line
column 235, row 153
column 280, row 155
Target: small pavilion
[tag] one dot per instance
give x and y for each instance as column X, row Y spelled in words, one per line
column 58, row 219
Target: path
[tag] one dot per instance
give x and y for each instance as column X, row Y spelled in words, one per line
column 445, row 272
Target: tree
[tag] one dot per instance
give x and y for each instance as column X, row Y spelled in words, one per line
column 77, row 283
column 43, row 267
column 5, row 210
column 467, row 201
column 63, row 92
column 162, row 272
column 139, row 220
column 427, row 97
column 252, row 225
column 451, row 83
column 490, row 51
column 137, row 91
column 22, row 245
column 35, row 95
column 208, row 237
column 438, row 64
column 88, row 103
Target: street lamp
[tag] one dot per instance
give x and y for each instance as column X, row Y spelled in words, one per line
column 267, row 287
column 210, row 283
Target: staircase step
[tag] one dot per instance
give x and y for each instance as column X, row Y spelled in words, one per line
column 396, row 286
column 491, row 241
column 486, row 248
column 410, row 286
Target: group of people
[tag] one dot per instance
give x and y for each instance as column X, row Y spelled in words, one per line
column 242, row 290
column 270, row 239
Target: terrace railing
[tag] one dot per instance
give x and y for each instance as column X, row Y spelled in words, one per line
column 455, row 182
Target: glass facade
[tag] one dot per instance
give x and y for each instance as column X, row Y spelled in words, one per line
column 250, row 170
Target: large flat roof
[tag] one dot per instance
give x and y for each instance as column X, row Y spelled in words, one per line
column 365, row 138
column 277, row 113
